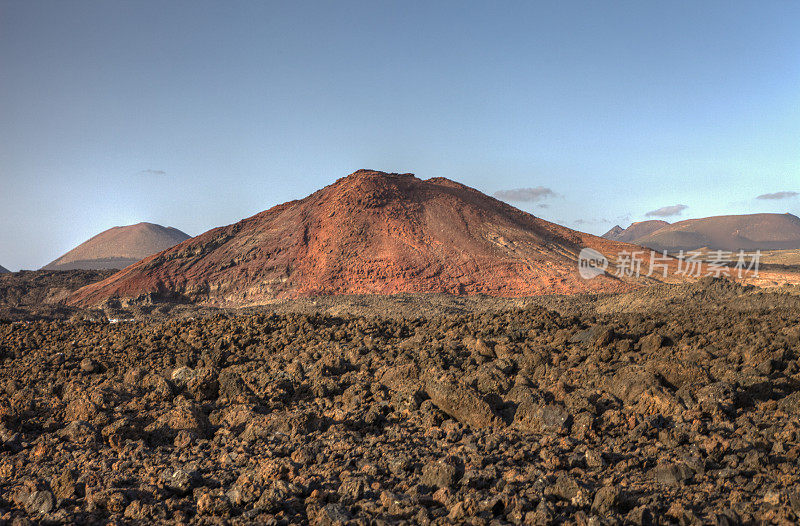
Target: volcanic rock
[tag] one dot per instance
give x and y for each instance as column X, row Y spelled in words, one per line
column 119, row 247
column 38, row 502
column 265, row 417
column 369, row 233
column 672, row 473
column 606, row 499
column 331, row 515
column 537, row 418
column 42, row 289
column 4, row 270
column 460, row 401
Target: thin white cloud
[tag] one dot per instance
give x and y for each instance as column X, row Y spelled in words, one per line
column 778, row 195
column 667, row 211
column 594, row 221
column 525, row 195
column 150, row 171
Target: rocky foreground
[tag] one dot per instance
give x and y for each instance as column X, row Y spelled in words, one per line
column 507, row 417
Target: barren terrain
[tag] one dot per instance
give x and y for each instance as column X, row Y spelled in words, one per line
column 668, row 405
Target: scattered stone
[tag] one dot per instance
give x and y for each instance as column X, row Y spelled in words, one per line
column 90, row 365
column 772, row 498
column 640, row 516
column 537, row 418
column 606, row 500
column 672, row 473
column 184, row 417
column 332, row 515
column 441, row 474
column 565, row 488
column 651, row 343
column 480, row 417
column 180, row 481
column 213, row 504
column 460, row 402
column 717, row 397
column 40, row 502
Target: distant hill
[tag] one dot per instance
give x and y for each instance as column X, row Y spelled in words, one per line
column 635, row 231
column 614, row 233
column 734, row 232
column 4, row 270
column 731, row 232
column 368, row 233
column 119, row 247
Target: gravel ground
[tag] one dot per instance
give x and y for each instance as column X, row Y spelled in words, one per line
column 595, row 414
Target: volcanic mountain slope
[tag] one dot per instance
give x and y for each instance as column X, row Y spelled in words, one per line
column 3, row 270
column 733, row 232
column 635, row 231
column 119, row 247
column 368, row 233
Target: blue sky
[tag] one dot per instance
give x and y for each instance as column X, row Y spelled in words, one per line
column 197, row 114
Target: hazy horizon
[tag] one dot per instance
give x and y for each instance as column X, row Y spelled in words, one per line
column 197, row 114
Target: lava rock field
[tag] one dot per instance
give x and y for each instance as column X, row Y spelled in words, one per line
column 510, row 416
